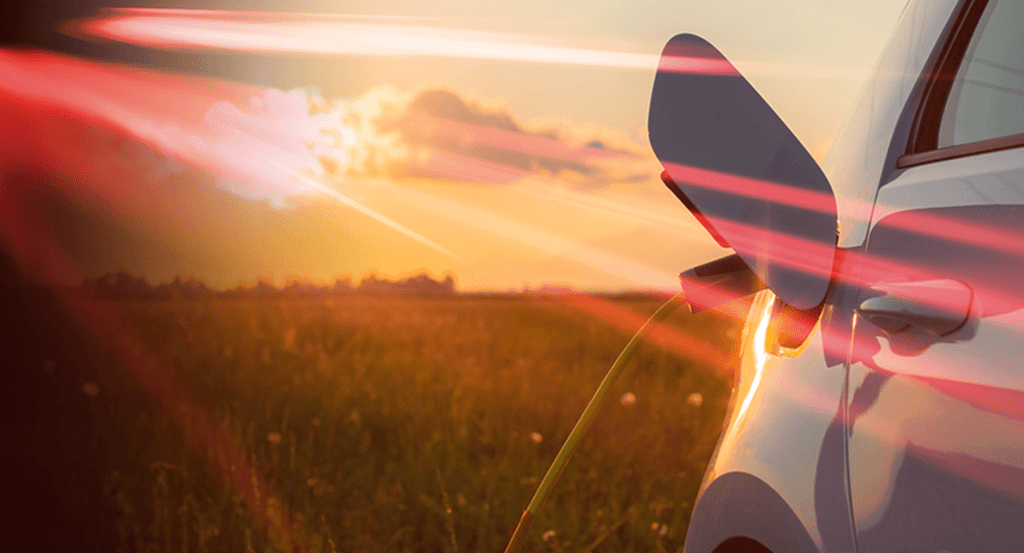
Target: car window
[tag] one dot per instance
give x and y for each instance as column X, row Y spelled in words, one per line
column 986, row 99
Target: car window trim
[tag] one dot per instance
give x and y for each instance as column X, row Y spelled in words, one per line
column 961, row 150
column 923, row 140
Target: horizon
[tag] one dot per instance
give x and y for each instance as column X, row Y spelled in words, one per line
column 347, row 283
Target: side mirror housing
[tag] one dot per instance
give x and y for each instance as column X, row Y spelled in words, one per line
column 736, row 165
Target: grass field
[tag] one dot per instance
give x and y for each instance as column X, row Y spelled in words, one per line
column 376, row 423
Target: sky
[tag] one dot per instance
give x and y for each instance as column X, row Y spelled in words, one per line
column 502, row 143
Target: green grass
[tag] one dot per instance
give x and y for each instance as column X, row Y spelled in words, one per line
column 400, row 424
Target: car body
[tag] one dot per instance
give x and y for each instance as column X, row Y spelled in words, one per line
column 897, row 422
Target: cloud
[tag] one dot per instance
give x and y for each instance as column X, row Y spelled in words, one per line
column 280, row 145
column 447, row 134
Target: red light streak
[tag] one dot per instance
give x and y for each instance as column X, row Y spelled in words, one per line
column 663, row 334
column 515, row 141
column 1004, row 478
column 29, row 240
column 863, row 269
column 468, row 168
column 748, row 187
column 1005, row 402
column 697, row 65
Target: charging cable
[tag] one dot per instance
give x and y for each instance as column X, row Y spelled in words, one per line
column 586, row 419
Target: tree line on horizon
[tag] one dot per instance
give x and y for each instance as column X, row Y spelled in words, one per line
column 122, row 285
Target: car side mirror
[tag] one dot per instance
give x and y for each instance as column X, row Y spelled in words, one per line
column 740, row 170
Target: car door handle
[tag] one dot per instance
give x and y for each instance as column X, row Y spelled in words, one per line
column 939, row 306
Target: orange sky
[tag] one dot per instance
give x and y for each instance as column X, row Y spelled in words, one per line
column 508, row 170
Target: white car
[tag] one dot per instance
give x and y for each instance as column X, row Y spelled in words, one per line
column 880, row 402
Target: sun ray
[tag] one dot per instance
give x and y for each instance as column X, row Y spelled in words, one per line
column 542, row 240
column 390, row 223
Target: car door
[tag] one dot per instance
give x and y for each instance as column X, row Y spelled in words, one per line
column 935, row 415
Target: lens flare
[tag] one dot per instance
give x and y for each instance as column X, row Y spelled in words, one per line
column 268, row 32
column 262, row 145
column 320, row 34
